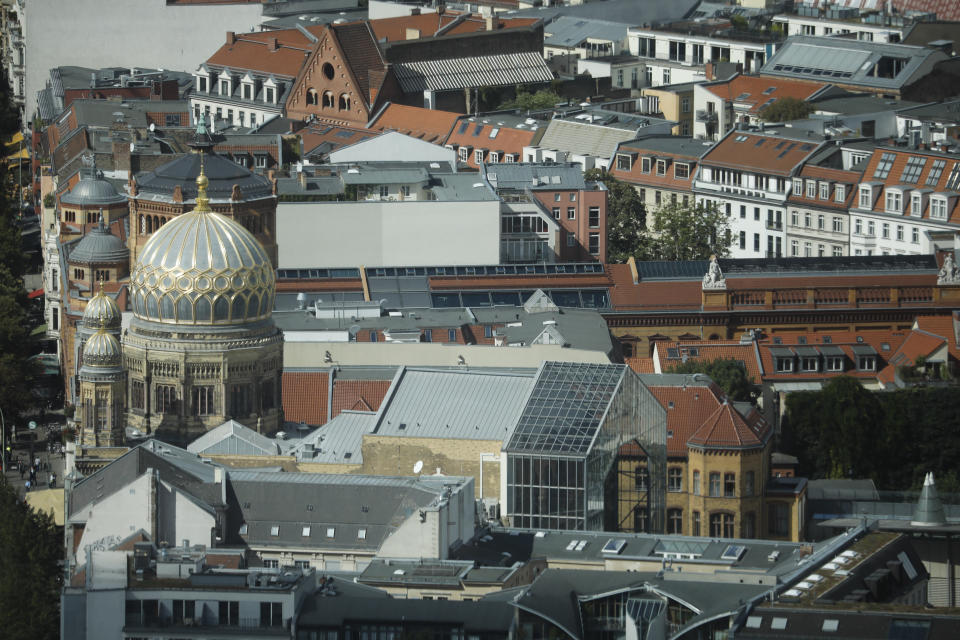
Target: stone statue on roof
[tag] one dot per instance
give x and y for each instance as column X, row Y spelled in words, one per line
column 949, row 272
column 713, row 278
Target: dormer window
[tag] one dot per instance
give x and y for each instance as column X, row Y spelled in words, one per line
column 867, row 363
column 798, row 187
column 661, row 167
column 866, row 197
column 839, row 193
column 894, row 201
column 645, row 165
column 269, row 95
column 824, row 190
column 938, row 208
column 624, row 161
column 202, row 84
column 478, row 156
column 916, row 204
column 225, row 88
column 811, row 189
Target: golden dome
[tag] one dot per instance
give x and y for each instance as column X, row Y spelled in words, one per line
column 102, row 351
column 202, row 268
column 102, row 311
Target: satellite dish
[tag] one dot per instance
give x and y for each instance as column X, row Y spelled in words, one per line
column 417, row 468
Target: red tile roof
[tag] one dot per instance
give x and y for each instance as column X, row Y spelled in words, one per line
column 335, row 136
column 769, row 154
column 708, row 351
column 726, row 428
column 835, row 177
column 252, row 52
column 358, row 395
column 427, row 124
column 895, row 177
column 919, row 344
column 687, row 408
column 885, row 343
column 477, row 136
column 756, row 91
column 640, row 365
column 426, row 25
column 305, row 396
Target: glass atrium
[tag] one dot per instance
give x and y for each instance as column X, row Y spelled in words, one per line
column 564, row 446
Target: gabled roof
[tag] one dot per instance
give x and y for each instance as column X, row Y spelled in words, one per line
column 725, row 428
column 490, row 135
column 426, row 124
column 938, row 172
column 255, row 52
column 233, row 438
column 305, row 396
column 767, row 153
column 359, row 46
column 759, row 92
column 688, row 406
column 583, row 138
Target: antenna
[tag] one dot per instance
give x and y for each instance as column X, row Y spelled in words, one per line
column 418, row 467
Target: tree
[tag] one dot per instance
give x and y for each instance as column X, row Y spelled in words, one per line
column 30, row 553
column 785, row 109
column 526, row 101
column 836, row 432
column 626, row 218
column 729, row 374
column 689, row 232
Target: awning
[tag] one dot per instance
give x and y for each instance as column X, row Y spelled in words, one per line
column 35, row 294
column 787, row 387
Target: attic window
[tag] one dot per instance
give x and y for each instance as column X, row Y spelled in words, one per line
column 670, row 405
column 243, row 529
column 331, row 532
column 361, row 534
column 275, row 530
column 306, row 532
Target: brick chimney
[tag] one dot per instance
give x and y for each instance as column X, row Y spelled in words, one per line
column 272, row 44
column 708, row 71
column 231, row 37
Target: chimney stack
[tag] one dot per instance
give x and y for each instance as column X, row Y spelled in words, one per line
column 272, row 44
column 231, row 37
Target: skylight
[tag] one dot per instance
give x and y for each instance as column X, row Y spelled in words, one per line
column 733, row 552
column 275, row 530
column 306, row 532
column 614, row 545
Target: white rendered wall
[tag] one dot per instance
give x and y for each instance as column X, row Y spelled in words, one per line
column 388, row 234
column 125, row 33
column 116, row 516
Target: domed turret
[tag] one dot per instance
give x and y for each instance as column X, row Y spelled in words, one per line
column 102, row 311
column 102, row 351
column 93, row 190
column 203, row 268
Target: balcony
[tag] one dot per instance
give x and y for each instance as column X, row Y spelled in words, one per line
column 705, row 115
column 775, row 225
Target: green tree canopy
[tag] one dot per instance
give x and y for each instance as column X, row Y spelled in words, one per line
column 30, row 552
column 689, row 232
column 625, row 216
column 526, row 101
column 729, row 374
column 786, row 109
column 676, row 232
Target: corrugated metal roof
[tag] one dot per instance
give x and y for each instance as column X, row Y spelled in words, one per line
column 469, row 405
column 233, row 438
column 584, row 139
column 340, row 440
column 479, row 71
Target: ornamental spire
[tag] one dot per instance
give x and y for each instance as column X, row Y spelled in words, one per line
column 203, row 202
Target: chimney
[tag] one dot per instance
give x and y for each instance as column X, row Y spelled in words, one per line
column 272, row 44
column 490, row 22
column 231, row 37
column 709, row 72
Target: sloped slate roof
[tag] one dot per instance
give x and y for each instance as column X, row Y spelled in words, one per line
column 457, row 73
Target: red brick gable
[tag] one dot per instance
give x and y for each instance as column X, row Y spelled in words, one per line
column 358, row 395
column 344, row 78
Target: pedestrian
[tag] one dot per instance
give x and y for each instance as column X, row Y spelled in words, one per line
column 27, row 485
column 21, row 472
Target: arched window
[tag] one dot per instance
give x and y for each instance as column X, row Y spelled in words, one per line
column 344, row 102
column 312, row 96
column 328, row 99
